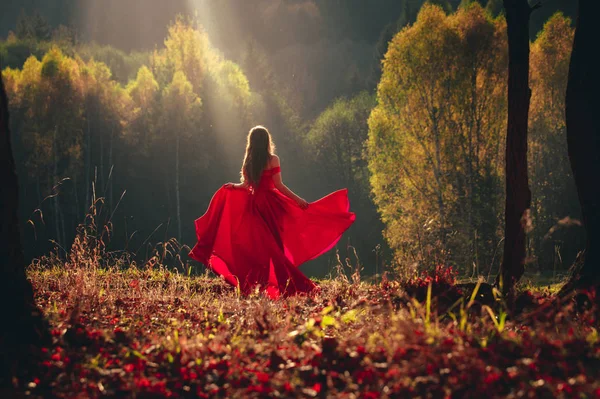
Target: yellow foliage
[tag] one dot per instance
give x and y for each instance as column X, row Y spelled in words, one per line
column 552, row 186
column 434, row 138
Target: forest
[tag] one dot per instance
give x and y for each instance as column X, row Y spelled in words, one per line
column 155, row 131
column 457, row 141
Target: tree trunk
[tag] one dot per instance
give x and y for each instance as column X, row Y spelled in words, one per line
column 438, row 173
column 63, row 236
column 23, row 327
column 110, row 168
column 102, row 177
column 518, row 195
column 472, row 158
column 39, row 190
column 75, row 188
column 55, row 189
column 177, row 199
column 582, row 108
column 88, row 163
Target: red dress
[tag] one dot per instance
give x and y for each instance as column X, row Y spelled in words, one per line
column 258, row 236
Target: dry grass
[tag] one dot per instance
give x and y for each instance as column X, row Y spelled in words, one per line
column 123, row 330
column 154, row 333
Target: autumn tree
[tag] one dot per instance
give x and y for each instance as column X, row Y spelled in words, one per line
column 123, row 66
column 181, row 108
column 187, row 50
column 108, row 109
column 477, row 122
column 144, row 93
column 556, row 236
column 50, row 96
column 186, row 70
column 435, row 135
column 220, row 82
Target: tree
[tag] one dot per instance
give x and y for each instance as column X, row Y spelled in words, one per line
column 186, row 49
column 52, row 133
column 434, row 137
column 24, row 327
column 583, row 135
column 337, row 137
column 181, row 107
column 555, row 238
column 47, row 99
column 444, row 4
column 33, row 26
column 219, row 82
column 102, row 106
column 109, row 115
column 144, row 91
column 518, row 195
column 494, row 7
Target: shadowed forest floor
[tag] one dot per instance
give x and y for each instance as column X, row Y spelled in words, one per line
column 154, row 333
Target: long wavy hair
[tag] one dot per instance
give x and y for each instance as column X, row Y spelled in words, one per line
column 259, row 150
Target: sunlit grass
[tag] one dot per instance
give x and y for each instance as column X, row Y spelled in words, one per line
column 130, row 330
column 152, row 331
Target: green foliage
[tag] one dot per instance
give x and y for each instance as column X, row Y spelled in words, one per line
column 336, row 143
column 144, row 88
column 144, row 92
column 123, row 66
column 186, row 49
column 180, row 105
column 220, row 82
column 231, row 82
column 54, row 113
column 336, row 139
column 15, row 52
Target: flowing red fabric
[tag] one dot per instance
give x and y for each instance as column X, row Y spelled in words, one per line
column 258, row 236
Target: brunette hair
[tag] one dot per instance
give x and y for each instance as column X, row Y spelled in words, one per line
column 259, row 150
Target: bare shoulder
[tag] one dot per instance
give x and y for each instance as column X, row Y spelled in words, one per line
column 274, row 162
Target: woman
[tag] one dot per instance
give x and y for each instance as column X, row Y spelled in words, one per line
column 257, row 232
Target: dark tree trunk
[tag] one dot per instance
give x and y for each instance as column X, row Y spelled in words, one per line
column 111, row 169
column 583, row 134
column 177, row 196
column 88, row 162
column 518, row 195
column 23, row 326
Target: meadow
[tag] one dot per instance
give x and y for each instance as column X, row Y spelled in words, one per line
column 126, row 330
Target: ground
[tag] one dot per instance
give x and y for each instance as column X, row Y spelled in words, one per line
column 124, row 331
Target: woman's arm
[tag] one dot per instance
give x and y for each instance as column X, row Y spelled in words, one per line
column 283, row 188
column 237, row 185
